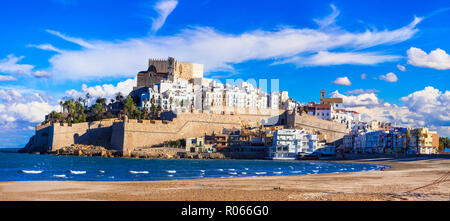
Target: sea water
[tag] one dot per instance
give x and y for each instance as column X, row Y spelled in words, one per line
column 22, row 167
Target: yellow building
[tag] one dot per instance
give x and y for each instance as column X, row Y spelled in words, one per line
column 428, row 141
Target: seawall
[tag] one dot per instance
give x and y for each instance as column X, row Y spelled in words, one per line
column 126, row 135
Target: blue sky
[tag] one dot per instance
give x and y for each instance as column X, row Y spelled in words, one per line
column 388, row 59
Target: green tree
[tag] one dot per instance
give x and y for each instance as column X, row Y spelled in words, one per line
column 444, row 142
column 119, row 97
column 129, row 107
column 97, row 109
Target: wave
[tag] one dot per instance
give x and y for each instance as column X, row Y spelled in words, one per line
column 136, row 172
column 77, row 172
column 232, row 173
column 243, row 173
column 278, row 172
column 202, row 171
column 296, row 171
column 170, row 175
column 260, row 173
column 219, row 169
column 231, row 169
column 101, row 171
column 171, row 171
column 315, row 171
column 246, row 168
column 60, row 176
column 32, row 171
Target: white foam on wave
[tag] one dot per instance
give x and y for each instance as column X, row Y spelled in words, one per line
column 232, row 173
column 170, row 175
column 296, row 171
column 243, row 173
column 246, row 168
column 231, row 169
column 60, row 176
column 202, row 171
column 137, row 172
column 315, row 171
column 219, row 169
column 291, row 167
column 171, row 171
column 77, row 172
column 32, row 171
column 101, row 171
column 260, row 173
column 278, row 172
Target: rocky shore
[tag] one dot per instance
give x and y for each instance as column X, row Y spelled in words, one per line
column 147, row 153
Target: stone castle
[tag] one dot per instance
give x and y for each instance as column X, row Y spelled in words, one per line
column 169, row 69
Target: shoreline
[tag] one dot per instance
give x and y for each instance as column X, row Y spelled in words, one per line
column 391, row 184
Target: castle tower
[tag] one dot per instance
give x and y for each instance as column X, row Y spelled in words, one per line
column 322, row 96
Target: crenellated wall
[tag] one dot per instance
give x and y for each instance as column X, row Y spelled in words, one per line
column 129, row 134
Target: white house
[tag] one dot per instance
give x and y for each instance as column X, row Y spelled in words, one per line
column 288, row 143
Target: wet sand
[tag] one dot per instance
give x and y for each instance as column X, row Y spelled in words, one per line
column 392, row 184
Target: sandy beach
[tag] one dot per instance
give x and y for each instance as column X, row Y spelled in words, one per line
column 397, row 183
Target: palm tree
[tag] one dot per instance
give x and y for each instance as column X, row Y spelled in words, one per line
column 419, row 136
column 408, row 140
column 87, row 98
column 119, row 97
column 129, row 106
column 61, row 104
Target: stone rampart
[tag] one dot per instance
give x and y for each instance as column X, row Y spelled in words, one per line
column 332, row 130
column 93, row 133
column 151, row 133
column 128, row 135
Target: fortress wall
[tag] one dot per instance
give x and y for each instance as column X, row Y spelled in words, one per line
column 332, row 130
column 42, row 136
column 94, row 133
column 130, row 134
column 148, row 134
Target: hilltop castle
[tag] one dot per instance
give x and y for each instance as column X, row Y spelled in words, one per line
column 169, row 69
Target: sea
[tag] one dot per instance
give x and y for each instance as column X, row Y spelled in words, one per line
column 36, row 167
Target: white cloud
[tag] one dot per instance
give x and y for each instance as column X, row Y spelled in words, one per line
column 401, row 67
column 77, row 41
column 389, row 77
column 365, row 99
column 10, row 65
column 47, row 47
column 7, row 78
column 325, row 58
column 17, row 107
column 164, row 8
column 42, row 74
column 219, row 51
column 104, row 91
column 11, row 95
column 429, row 107
column 431, row 102
column 362, row 91
column 330, row 19
column 342, row 81
column 437, row 59
column 33, row 112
